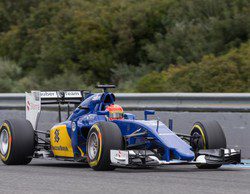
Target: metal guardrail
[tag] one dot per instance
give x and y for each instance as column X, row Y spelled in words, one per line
column 195, row 102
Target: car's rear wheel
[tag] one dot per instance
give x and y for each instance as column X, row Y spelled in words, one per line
column 16, row 142
column 211, row 136
column 102, row 137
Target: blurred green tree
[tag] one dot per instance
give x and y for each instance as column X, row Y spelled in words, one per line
column 226, row 73
column 97, row 39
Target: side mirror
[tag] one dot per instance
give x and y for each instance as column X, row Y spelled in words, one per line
column 129, row 116
column 148, row 112
column 103, row 113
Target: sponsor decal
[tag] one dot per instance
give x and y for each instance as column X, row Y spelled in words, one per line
column 32, row 106
column 90, row 117
column 28, row 105
column 119, row 157
column 60, row 94
column 73, row 126
column 48, row 95
column 60, row 148
column 97, row 97
column 56, row 138
column 73, row 94
column 36, row 95
column 119, row 154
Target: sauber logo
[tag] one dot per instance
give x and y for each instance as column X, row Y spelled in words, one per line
column 48, row 94
column 31, row 106
column 119, row 155
column 56, row 138
column 28, row 105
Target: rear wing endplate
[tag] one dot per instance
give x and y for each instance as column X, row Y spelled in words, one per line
column 35, row 99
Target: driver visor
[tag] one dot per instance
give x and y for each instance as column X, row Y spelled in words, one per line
column 115, row 115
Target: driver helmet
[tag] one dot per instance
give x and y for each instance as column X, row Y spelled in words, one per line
column 115, row 112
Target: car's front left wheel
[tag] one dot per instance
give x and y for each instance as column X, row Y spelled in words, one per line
column 17, row 142
column 103, row 137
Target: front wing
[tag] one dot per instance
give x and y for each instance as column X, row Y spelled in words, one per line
column 140, row 158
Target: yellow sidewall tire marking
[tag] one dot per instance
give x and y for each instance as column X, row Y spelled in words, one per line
column 4, row 158
column 82, row 153
column 95, row 162
column 202, row 135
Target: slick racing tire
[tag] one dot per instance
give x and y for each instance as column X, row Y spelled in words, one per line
column 211, row 137
column 16, row 142
column 102, row 137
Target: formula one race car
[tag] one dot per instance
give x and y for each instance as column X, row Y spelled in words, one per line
column 100, row 133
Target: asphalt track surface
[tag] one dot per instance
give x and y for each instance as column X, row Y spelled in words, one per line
column 43, row 176
column 51, row 176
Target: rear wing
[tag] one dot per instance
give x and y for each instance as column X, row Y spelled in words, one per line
column 35, row 100
column 62, row 97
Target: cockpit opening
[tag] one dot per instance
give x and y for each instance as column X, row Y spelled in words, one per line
column 108, row 98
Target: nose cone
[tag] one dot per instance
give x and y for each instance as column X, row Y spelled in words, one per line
column 180, row 148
